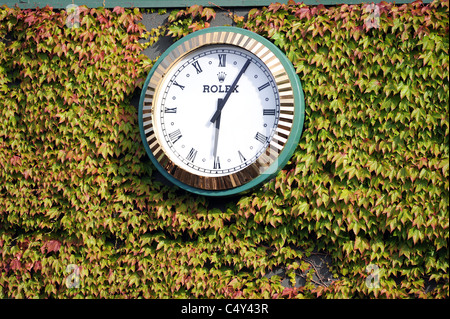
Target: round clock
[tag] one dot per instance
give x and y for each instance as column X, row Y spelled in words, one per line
column 221, row 111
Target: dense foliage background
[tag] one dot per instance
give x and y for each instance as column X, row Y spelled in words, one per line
column 82, row 215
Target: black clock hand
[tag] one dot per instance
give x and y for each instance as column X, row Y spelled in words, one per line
column 216, row 134
column 225, row 99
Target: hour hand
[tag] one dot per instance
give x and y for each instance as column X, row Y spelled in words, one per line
column 216, row 130
column 233, row 85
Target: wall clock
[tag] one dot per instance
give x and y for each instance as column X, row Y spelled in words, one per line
column 221, row 111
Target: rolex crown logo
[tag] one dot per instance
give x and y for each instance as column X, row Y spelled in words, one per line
column 221, row 76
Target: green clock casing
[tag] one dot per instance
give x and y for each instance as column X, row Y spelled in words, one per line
column 221, row 111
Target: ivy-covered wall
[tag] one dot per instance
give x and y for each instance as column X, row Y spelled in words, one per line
column 83, row 213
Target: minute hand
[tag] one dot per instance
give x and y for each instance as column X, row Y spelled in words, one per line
column 225, row 99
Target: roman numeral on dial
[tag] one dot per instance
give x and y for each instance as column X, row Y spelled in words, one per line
column 222, row 60
column 175, row 136
column 170, row 110
column 192, row 154
column 269, row 112
column 216, row 163
column 241, row 157
column 197, row 67
column 262, row 87
column 260, row 137
column 179, row 85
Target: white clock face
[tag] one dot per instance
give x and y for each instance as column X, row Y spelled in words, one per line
column 208, row 124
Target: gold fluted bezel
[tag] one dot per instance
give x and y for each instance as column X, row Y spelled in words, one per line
column 278, row 140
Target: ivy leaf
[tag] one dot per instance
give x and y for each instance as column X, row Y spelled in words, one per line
column 103, row 149
column 208, row 13
column 195, row 10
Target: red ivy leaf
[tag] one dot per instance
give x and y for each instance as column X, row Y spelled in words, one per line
column 303, row 12
column 37, row 265
column 16, row 264
column 15, row 160
column 274, row 7
column 30, row 19
column 118, row 10
column 195, row 9
column 51, row 245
